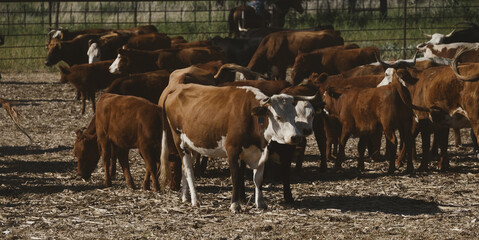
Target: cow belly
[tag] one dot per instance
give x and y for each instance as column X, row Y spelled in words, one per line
column 253, row 156
column 219, row 151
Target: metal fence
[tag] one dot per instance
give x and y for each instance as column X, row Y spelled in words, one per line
column 25, row 24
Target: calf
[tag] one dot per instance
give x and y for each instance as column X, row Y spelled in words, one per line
column 87, row 79
column 365, row 112
column 136, row 128
column 241, row 122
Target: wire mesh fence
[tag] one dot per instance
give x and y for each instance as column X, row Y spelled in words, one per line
column 366, row 22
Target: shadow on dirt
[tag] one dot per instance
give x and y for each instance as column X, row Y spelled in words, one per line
column 18, row 191
column 385, row 204
column 29, row 150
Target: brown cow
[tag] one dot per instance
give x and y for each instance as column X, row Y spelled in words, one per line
column 201, row 43
column 136, row 128
column 364, row 111
column 332, row 60
column 453, row 102
column 88, row 79
column 136, row 61
column 278, row 50
column 106, row 47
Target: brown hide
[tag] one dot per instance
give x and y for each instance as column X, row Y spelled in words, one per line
column 377, row 69
column 267, row 87
column 440, row 90
column 279, row 49
column 125, row 122
column 136, row 61
column 367, row 111
column 88, row 79
column 86, row 150
column 450, row 50
column 150, row 41
column 331, row 61
column 201, row 43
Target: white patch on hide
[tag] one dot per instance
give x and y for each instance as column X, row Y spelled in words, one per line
column 219, row 151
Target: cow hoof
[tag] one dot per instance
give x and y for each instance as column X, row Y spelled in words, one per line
column 195, row 203
column 261, row 205
column 422, row 168
column 235, row 207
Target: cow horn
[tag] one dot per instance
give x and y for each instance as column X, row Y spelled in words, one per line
column 306, row 98
column 398, row 64
column 265, row 100
column 384, row 64
column 425, row 34
column 455, row 70
column 448, row 35
column 240, row 69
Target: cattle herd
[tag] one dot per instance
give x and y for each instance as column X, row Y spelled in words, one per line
column 180, row 103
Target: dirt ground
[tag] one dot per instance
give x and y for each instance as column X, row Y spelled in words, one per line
column 42, row 198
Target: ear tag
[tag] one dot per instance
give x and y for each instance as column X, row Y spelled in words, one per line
column 261, row 120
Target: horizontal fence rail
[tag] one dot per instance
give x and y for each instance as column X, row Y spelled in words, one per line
column 25, row 24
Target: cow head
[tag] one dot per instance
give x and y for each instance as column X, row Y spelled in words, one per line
column 94, row 54
column 279, row 112
column 120, row 63
column 54, row 54
column 304, row 117
column 87, row 153
column 436, row 38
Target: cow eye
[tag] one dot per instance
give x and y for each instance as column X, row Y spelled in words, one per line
column 279, row 118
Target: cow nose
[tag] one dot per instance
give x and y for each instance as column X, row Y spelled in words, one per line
column 296, row 140
column 307, row 131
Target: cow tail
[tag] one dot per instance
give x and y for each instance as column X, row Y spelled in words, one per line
column 406, row 96
column 165, row 172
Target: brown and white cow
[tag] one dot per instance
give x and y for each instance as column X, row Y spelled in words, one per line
column 450, row 50
column 278, row 50
column 240, row 122
column 136, row 61
column 332, row 60
column 366, row 111
column 121, row 123
column 465, row 35
column 72, row 51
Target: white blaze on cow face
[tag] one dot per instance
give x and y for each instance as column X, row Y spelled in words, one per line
column 281, row 125
column 436, row 38
column 304, row 117
column 114, row 67
column 57, row 34
column 93, row 53
column 388, row 78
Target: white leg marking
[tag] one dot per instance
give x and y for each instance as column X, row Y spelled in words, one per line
column 258, row 180
column 190, row 178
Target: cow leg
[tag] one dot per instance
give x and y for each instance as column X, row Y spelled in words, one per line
column 200, row 165
column 341, row 152
column 391, row 143
column 299, row 152
column 457, row 137
column 258, row 181
column 189, row 179
column 374, row 146
column 151, row 159
column 106, row 157
column 92, row 100
column 434, row 152
column 286, row 156
column 113, row 164
column 233, row 157
column 242, row 190
column 426, row 141
column 443, row 135
column 320, row 136
column 125, row 165
column 363, row 142
column 83, row 102
column 474, row 142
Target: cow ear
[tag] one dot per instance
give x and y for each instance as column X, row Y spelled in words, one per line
column 64, row 69
column 259, row 111
column 332, row 93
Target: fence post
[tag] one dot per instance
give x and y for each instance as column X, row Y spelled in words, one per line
column 8, row 20
column 58, row 13
column 41, row 13
column 404, row 28
column 118, row 16
column 149, row 11
column 134, row 12
column 84, row 14
column 50, row 5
